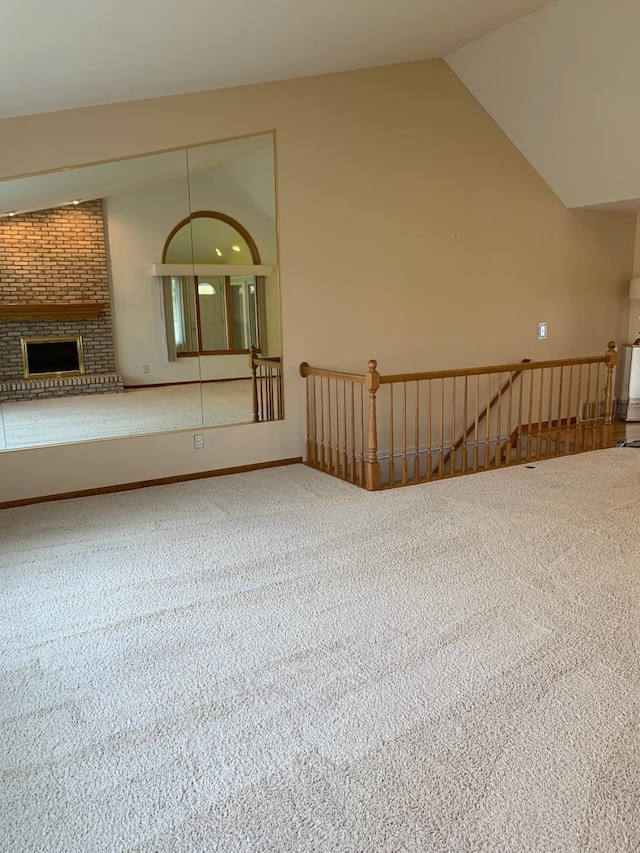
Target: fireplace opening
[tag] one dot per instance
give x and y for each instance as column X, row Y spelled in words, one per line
column 52, row 356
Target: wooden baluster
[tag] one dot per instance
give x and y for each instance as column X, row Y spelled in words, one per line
column 265, row 397
column 452, row 431
column 416, row 463
column 559, row 412
column 476, row 424
column 329, row 436
column 498, row 453
column 569, row 424
column 441, row 456
column 309, row 451
column 322, row 444
column 429, row 468
column 593, row 408
column 519, row 427
column 362, row 456
column 596, row 406
column 345, row 452
column 307, row 391
column 272, row 409
column 314, row 425
column 372, row 381
column 540, row 396
column 272, row 401
column 254, row 383
column 487, row 420
column 267, row 373
column 281, row 395
column 588, row 422
column 392, row 461
column 509, row 416
column 339, row 436
column 338, row 460
column 597, row 430
column 261, row 382
column 579, row 439
column 335, row 455
column 338, row 454
column 259, row 392
column 353, row 433
column 549, row 414
column 533, row 375
column 404, row 471
column 465, row 419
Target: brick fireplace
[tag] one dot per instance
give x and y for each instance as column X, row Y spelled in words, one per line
column 54, row 282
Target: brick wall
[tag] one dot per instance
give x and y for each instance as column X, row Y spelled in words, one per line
column 58, row 256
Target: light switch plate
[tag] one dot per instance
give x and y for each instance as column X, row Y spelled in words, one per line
column 543, row 331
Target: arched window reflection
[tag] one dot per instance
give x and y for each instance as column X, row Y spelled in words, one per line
column 216, row 314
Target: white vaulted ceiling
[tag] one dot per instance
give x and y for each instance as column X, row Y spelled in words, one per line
column 563, row 85
column 66, row 54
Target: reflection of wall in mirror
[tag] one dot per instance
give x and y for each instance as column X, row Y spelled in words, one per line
column 139, row 222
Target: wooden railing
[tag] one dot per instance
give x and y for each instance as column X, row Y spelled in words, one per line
column 266, row 383
column 384, row 431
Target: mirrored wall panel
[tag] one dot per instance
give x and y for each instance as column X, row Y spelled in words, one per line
column 140, row 296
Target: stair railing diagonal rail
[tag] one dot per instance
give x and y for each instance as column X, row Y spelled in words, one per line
column 379, row 431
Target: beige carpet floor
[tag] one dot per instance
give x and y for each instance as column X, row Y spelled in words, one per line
column 139, row 411
column 278, row 661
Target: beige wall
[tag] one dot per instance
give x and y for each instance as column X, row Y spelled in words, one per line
column 411, row 231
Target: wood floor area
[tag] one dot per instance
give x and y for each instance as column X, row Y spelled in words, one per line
column 625, row 430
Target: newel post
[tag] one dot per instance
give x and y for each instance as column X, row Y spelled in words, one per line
column 372, row 466
column 254, row 382
column 607, row 426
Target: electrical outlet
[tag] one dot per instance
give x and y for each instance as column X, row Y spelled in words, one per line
column 198, row 442
column 145, row 368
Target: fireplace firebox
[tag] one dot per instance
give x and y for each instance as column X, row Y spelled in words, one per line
column 52, row 356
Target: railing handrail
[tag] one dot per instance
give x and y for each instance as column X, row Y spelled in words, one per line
column 308, row 370
column 386, row 379
column 268, row 361
column 495, row 368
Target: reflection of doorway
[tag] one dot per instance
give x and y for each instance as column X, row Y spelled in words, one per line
column 245, row 313
column 227, row 313
column 212, row 315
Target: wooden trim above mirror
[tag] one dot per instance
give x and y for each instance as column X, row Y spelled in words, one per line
column 21, row 311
